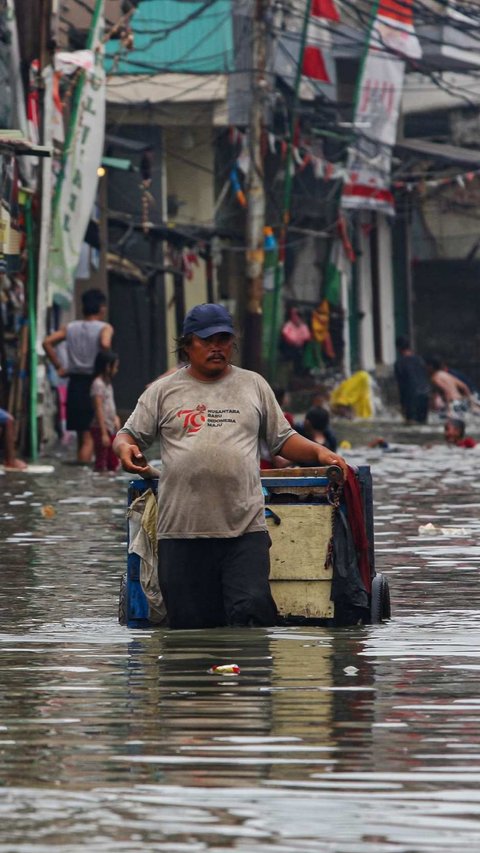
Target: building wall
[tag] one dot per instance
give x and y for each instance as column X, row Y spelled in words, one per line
column 448, row 223
column 189, row 177
column 189, row 170
column 445, row 322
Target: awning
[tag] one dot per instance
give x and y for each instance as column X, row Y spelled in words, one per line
column 452, row 155
column 14, row 142
column 136, row 89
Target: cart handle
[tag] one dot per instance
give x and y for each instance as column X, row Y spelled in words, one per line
column 335, row 475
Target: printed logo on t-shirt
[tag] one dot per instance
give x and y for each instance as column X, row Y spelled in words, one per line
column 195, row 419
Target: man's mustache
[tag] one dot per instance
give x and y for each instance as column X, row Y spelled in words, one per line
column 216, row 355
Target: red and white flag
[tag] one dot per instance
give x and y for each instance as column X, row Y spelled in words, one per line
column 318, row 66
column 325, row 9
column 317, row 60
column 367, row 186
column 394, row 29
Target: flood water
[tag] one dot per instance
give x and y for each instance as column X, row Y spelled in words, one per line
column 118, row 740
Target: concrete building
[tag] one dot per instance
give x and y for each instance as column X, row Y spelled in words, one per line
column 172, row 96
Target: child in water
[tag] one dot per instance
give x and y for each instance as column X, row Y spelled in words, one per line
column 106, row 422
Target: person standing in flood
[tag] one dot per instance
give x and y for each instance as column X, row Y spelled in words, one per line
column 106, row 421
column 211, row 417
column 454, row 393
column 84, row 340
column 413, row 383
column 7, row 424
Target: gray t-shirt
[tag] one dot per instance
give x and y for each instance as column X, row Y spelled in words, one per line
column 83, row 344
column 209, row 438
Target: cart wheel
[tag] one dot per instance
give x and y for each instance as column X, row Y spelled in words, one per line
column 380, row 609
column 122, row 600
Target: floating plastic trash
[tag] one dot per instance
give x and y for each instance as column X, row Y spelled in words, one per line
column 48, row 511
column 225, row 669
column 431, row 530
column 428, row 529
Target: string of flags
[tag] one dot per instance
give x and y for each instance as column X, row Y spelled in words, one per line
column 461, row 180
column 303, row 155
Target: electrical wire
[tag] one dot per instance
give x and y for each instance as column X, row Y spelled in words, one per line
column 437, row 80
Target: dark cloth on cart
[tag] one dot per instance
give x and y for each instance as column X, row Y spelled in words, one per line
column 347, row 584
column 79, row 402
column 356, row 518
column 211, row 583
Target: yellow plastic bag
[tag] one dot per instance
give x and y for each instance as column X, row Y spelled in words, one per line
column 354, row 393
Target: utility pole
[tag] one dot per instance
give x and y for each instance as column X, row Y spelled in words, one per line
column 287, row 198
column 255, row 193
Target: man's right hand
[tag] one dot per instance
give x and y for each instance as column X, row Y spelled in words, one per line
column 132, row 459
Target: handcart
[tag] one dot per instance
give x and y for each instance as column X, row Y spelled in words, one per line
column 322, row 554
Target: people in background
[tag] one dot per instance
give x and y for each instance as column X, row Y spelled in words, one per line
column 454, row 393
column 454, row 432
column 106, row 422
column 7, row 426
column 473, row 403
column 316, row 427
column 282, row 398
column 413, row 383
column 84, row 339
column 268, row 460
column 294, row 335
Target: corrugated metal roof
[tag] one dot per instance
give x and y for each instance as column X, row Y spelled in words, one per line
column 176, row 35
column 452, row 154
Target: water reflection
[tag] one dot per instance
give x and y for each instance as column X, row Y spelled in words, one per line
column 358, row 740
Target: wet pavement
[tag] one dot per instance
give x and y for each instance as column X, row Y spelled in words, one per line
column 119, row 740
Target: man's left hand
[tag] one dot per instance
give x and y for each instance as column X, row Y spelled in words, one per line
column 327, row 457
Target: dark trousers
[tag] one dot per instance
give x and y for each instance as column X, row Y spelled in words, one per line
column 416, row 408
column 209, row 583
column 79, row 402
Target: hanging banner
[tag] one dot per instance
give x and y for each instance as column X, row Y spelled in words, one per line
column 75, row 194
column 367, row 185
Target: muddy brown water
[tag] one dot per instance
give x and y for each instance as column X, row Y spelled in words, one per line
column 358, row 740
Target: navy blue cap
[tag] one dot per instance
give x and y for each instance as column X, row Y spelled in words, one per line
column 208, row 319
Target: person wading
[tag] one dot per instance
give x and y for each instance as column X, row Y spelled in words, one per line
column 84, row 339
column 210, row 417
